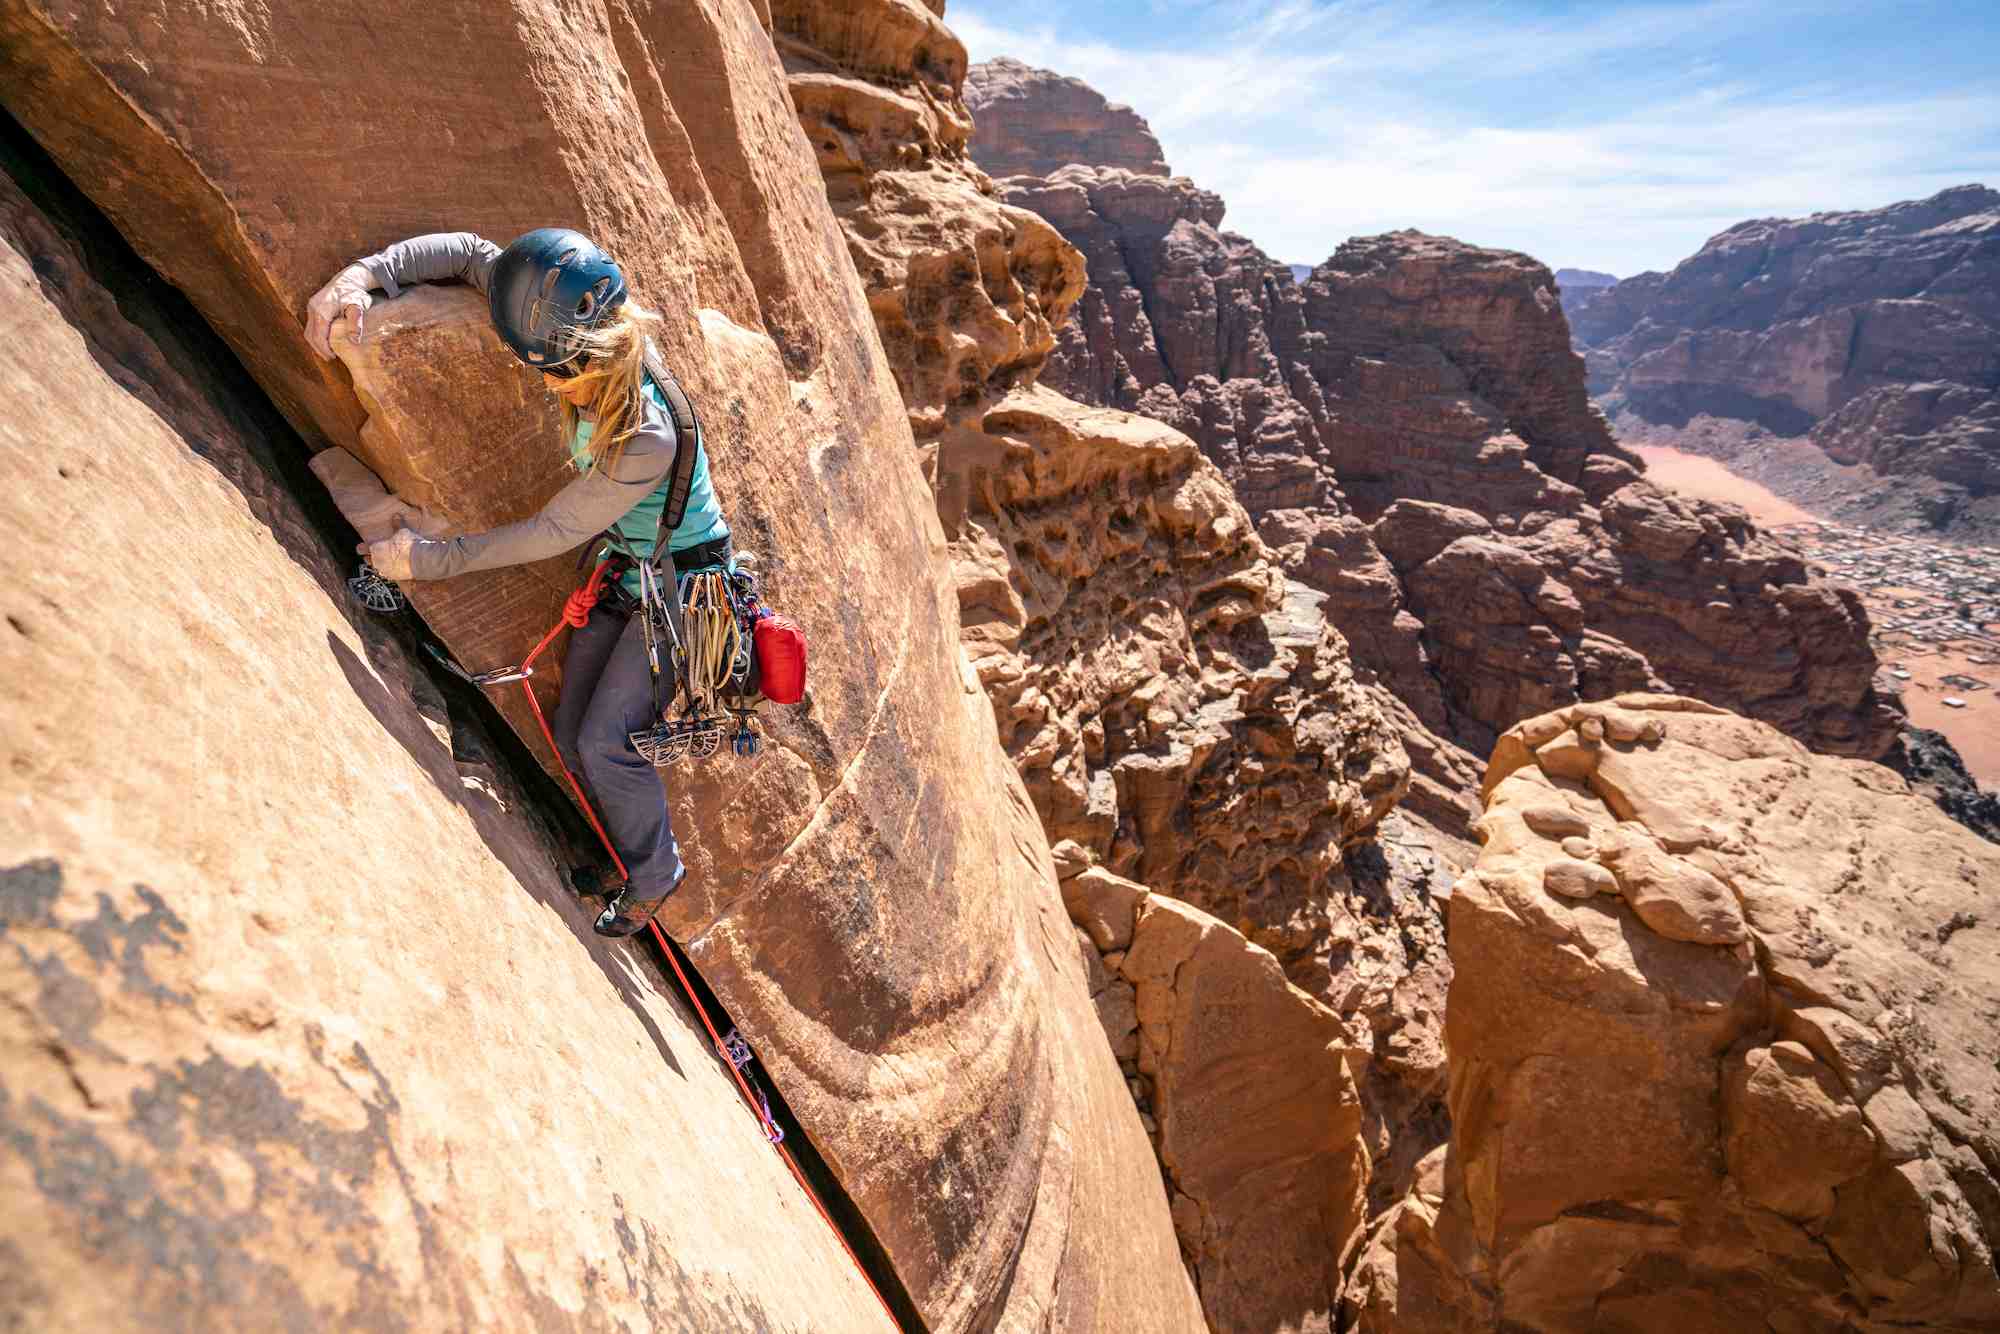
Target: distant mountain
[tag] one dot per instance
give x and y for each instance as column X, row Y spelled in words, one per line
column 1053, row 121
column 1300, row 272
column 1578, row 287
column 1585, row 278
column 1876, row 334
column 1410, row 431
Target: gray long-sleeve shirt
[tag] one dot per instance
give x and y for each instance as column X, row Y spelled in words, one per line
column 587, row 506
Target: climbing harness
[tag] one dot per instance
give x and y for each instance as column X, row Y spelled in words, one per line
column 703, row 625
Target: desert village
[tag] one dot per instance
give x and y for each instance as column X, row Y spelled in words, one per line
column 1936, row 613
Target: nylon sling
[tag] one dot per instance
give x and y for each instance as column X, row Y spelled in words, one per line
column 687, row 444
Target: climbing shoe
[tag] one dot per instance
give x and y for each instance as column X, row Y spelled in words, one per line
column 627, row 915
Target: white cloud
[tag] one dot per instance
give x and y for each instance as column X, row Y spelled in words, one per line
column 1316, row 122
column 1640, row 192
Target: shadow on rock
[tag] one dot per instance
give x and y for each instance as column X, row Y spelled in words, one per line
column 512, row 833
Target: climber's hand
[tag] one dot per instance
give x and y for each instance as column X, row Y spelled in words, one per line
column 391, row 556
column 347, row 292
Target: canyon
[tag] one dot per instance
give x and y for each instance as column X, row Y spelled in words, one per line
column 1123, row 917
column 1410, row 429
column 1870, row 335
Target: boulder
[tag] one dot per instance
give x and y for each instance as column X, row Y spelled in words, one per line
column 1757, row 1084
column 1259, row 1120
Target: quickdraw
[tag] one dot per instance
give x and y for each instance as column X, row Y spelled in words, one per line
column 374, row 592
column 709, row 649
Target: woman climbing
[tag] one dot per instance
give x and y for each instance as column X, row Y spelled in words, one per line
column 560, row 303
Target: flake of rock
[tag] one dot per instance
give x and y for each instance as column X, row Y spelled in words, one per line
column 1575, row 879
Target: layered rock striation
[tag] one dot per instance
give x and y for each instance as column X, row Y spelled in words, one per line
column 1872, row 332
column 1410, row 430
column 872, row 897
column 1721, row 1045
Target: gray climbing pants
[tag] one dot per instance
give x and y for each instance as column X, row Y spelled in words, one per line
column 607, row 694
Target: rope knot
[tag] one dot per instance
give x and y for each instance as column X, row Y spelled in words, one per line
column 576, row 611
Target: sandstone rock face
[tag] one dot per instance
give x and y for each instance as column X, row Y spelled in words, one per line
column 1031, row 122
column 1410, row 431
column 298, row 1025
column 1753, row 1080
column 1252, row 1098
column 966, row 291
column 1875, row 331
column 872, row 897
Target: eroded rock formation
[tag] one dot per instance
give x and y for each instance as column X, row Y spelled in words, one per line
column 1177, row 708
column 1051, row 121
column 1874, row 332
column 1183, row 713
column 1411, row 433
column 1721, row 1045
column 966, row 290
column 1142, row 651
column 1269, row 1212
column 873, row 897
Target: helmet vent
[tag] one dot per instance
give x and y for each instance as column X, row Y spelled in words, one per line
column 549, row 288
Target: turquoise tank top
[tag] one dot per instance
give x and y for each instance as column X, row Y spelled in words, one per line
column 700, row 522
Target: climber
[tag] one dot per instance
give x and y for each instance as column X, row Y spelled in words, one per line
column 560, row 303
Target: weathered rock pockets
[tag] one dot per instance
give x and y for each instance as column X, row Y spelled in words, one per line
column 1182, row 713
column 1720, row 1043
column 965, row 290
column 1874, row 332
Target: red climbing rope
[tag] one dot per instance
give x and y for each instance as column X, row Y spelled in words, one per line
column 576, row 611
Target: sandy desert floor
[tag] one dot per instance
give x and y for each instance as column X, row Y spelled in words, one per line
column 1705, row 479
column 1974, row 729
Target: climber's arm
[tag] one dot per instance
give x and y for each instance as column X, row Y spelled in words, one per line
column 435, row 257
column 432, row 258
column 581, row 510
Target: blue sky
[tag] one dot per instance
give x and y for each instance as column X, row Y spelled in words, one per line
column 1614, row 136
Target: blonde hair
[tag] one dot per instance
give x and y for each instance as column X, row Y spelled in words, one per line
column 610, row 385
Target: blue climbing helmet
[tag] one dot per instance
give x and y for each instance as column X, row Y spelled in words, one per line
column 546, row 288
